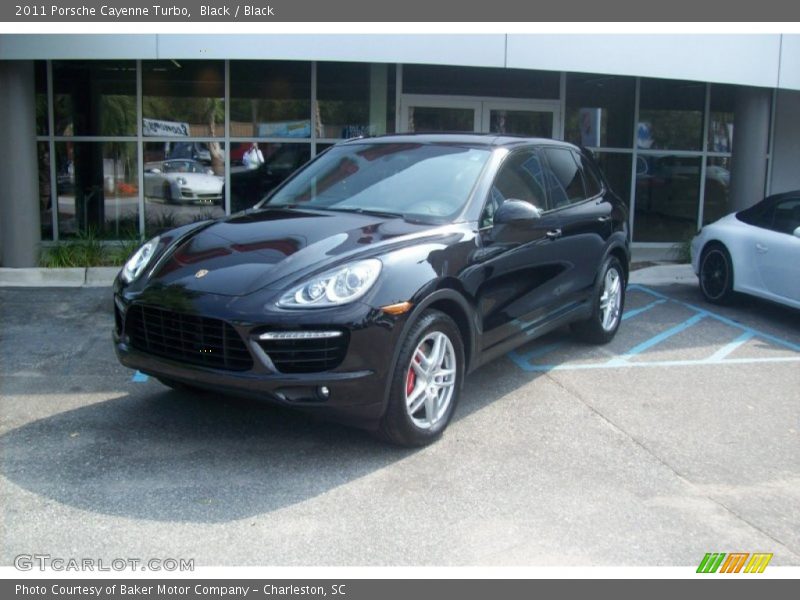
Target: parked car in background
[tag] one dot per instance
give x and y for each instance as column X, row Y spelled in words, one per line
column 373, row 280
column 182, row 181
column 755, row 251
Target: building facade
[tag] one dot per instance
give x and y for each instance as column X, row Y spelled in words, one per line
column 124, row 136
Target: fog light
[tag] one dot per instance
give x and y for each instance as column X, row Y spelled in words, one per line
column 324, row 392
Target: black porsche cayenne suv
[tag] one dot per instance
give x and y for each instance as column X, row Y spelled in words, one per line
column 375, row 278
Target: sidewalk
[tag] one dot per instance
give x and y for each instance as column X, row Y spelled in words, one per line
column 104, row 276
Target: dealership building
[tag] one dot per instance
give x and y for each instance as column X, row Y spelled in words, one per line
column 121, row 136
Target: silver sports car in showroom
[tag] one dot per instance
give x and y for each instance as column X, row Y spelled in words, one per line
column 182, row 181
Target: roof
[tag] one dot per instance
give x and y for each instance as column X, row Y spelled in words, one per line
column 467, row 139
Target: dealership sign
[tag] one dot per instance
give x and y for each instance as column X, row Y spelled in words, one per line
column 156, row 128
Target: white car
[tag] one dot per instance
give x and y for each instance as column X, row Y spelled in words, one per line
column 755, row 251
column 182, row 180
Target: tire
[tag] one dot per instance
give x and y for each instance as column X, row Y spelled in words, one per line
column 407, row 421
column 716, row 274
column 608, row 302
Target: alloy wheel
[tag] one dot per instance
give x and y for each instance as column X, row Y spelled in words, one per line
column 430, row 380
column 611, row 299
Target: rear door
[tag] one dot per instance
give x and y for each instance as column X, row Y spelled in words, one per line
column 585, row 215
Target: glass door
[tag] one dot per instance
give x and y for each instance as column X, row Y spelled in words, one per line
column 522, row 117
column 439, row 114
column 449, row 114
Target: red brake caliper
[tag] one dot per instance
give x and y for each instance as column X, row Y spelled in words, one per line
column 411, row 378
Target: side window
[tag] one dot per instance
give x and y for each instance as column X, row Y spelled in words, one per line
column 786, row 216
column 564, row 179
column 590, row 177
column 520, row 178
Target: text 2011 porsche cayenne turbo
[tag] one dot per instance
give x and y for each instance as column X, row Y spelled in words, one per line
column 375, row 278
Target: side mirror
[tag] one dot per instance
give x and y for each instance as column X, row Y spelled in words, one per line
column 796, row 232
column 516, row 211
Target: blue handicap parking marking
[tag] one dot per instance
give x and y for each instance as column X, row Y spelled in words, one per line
column 139, row 377
column 525, row 359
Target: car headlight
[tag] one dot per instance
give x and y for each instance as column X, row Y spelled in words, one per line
column 140, row 259
column 339, row 286
column 181, row 180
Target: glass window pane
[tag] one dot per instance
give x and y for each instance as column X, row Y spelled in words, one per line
column 667, row 194
column 97, row 189
column 480, row 81
column 563, row 177
column 252, row 180
column 95, row 97
column 270, row 99
column 352, row 99
column 182, row 185
column 600, row 110
column 520, row 178
column 720, row 121
column 717, row 193
column 521, row 122
column 671, row 114
column 617, row 170
column 182, row 99
column 40, row 82
column 45, row 201
column 593, row 187
column 440, row 119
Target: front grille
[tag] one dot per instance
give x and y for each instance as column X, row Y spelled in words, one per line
column 306, row 355
column 187, row 338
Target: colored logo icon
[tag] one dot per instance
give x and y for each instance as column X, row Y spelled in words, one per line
column 734, row 562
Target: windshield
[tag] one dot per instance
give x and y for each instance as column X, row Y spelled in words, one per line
column 183, row 166
column 405, row 179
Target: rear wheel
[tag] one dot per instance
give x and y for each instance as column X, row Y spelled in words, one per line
column 427, row 382
column 608, row 303
column 716, row 274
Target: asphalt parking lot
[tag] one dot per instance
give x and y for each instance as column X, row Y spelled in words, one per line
column 680, row 437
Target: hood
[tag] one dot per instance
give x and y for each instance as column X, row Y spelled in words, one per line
column 197, row 179
column 250, row 251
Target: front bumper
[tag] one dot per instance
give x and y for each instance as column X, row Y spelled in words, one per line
column 356, row 388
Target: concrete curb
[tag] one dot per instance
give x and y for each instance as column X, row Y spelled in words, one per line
column 72, row 277
column 664, row 275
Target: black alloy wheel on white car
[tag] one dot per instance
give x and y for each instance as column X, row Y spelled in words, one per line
column 716, row 274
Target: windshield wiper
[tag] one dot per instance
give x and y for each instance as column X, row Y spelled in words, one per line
column 360, row 211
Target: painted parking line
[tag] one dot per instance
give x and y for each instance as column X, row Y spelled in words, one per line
column 139, row 377
column 720, row 356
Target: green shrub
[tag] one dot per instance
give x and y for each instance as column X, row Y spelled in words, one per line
column 87, row 250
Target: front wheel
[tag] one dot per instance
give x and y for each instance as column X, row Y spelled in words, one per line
column 608, row 301
column 426, row 383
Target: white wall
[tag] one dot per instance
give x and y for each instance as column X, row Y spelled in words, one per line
column 786, row 143
column 741, row 59
column 766, row 60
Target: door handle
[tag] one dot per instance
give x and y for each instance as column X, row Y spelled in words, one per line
column 761, row 248
column 604, row 219
column 553, row 234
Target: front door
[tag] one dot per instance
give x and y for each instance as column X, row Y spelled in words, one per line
column 443, row 114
